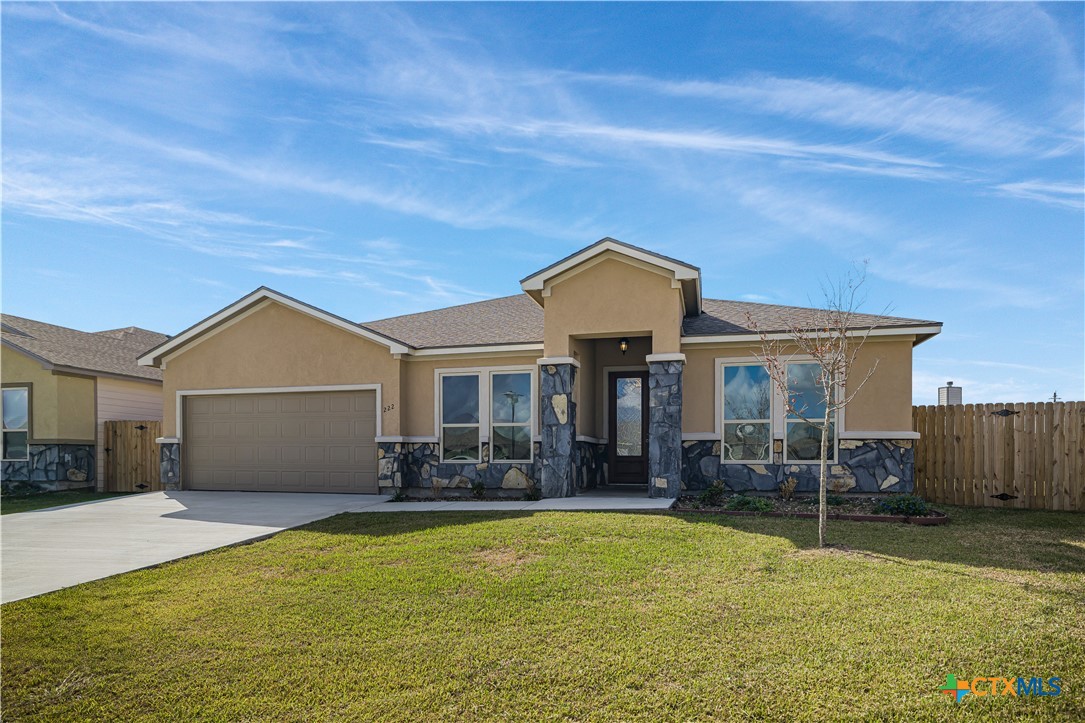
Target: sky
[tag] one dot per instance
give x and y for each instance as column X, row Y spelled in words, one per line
column 162, row 160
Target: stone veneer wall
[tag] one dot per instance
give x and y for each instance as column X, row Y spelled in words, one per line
column 589, row 465
column 872, row 465
column 664, row 428
column 557, row 456
column 169, row 465
column 51, row 468
column 412, row 466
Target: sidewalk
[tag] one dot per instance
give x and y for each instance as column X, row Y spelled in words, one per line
column 579, row 503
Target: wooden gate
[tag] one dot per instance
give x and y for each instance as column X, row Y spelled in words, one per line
column 131, row 456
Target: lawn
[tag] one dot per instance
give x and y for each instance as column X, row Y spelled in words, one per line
column 10, row 504
column 558, row 616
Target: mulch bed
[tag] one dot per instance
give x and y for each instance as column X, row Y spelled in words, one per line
column 856, row 510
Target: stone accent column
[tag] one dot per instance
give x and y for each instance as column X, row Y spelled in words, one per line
column 390, row 458
column 169, row 463
column 665, row 424
column 558, row 428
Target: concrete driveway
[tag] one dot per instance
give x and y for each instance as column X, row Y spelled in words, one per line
column 50, row 549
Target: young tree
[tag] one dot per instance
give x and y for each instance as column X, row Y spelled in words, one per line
column 832, row 338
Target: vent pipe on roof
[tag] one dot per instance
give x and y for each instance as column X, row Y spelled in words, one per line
column 949, row 395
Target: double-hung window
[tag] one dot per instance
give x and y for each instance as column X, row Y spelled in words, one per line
column 806, row 388
column 747, row 413
column 510, row 416
column 16, row 415
column 460, row 421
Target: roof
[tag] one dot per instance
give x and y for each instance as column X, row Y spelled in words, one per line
column 733, row 317
column 113, row 351
column 508, row 320
column 519, row 320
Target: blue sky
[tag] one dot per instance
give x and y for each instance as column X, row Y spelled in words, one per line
column 162, row 160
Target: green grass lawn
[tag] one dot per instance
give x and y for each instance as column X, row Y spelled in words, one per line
column 569, row 616
column 10, row 504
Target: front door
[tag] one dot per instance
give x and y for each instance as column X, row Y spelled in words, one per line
column 628, row 434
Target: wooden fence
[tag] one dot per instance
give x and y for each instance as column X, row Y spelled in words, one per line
column 1002, row 455
column 131, row 456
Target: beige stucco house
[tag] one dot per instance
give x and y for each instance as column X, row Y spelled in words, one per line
column 60, row 386
column 609, row 369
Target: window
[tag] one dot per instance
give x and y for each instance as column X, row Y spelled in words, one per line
column 806, row 389
column 460, row 418
column 510, row 416
column 747, row 414
column 16, row 414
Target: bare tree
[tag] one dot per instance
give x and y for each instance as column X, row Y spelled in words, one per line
column 832, row 338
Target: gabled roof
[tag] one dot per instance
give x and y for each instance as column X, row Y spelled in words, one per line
column 112, row 352
column 519, row 320
column 152, row 357
column 508, row 320
column 721, row 317
column 687, row 275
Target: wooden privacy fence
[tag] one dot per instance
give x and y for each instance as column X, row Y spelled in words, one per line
column 1002, row 455
column 131, row 456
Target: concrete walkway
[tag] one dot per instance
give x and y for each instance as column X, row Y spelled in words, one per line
column 50, row 549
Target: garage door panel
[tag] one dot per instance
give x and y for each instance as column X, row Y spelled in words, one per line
column 321, row 441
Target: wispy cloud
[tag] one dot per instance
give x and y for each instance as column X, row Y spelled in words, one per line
column 1067, row 195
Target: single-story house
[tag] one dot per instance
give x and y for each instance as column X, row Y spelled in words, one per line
column 609, row 369
column 60, row 386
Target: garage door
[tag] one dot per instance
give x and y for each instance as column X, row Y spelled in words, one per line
column 289, row 442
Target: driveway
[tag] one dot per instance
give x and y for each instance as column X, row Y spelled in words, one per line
column 46, row 550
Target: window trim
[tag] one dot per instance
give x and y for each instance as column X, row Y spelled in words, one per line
column 836, row 423
column 28, row 388
column 484, row 374
column 724, row 422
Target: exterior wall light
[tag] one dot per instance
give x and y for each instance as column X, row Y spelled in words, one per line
column 623, row 344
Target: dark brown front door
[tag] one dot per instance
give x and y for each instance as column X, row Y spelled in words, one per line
column 628, row 434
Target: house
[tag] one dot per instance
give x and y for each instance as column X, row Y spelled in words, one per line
column 609, row 369
column 60, row 385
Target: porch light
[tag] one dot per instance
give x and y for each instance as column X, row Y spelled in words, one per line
column 623, row 344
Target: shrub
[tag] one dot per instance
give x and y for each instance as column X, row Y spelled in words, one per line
column 835, row 500
column 748, row 504
column 713, row 496
column 907, row 505
column 478, row 489
column 787, row 488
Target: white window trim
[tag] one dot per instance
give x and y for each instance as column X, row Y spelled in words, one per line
column 26, row 429
column 182, row 393
column 484, row 373
column 838, row 423
column 779, row 415
column 720, row 421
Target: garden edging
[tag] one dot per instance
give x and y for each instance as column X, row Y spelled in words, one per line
column 935, row 518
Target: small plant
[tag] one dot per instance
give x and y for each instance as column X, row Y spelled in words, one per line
column 787, row 488
column 907, row 505
column 835, row 500
column 400, row 495
column 437, row 485
column 713, row 496
column 748, row 504
column 478, row 489
column 532, row 495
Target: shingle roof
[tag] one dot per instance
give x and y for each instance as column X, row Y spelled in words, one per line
column 508, row 320
column 719, row 316
column 111, row 352
column 519, row 320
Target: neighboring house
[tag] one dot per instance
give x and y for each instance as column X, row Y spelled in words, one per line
column 610, row 369
column 59, row 387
